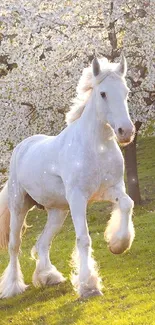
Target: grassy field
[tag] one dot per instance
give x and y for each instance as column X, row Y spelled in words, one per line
column 129, row 279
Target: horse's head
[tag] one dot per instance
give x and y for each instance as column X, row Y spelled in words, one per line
column 111, row 98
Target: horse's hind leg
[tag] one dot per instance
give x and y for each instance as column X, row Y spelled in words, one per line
column 46, row 273
column 11, row 282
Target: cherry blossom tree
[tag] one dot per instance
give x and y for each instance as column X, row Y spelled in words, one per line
column 44, row 45
column 136, row 25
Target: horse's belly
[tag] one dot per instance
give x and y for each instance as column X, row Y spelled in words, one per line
column 49, row 192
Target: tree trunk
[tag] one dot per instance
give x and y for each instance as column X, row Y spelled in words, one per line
column 131, row 168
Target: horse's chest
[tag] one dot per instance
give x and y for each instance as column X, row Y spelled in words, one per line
column 107, row 170
column 108, row 173
column 111, row 167
column 96, row 174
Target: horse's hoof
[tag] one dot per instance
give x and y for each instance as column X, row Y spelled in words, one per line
column 91, row 293
column 47, row 277
column 120, row 246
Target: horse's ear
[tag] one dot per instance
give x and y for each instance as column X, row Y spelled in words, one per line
column 122, row 66
column 96, row 67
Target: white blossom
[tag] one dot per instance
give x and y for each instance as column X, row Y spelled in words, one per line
column 44, row 46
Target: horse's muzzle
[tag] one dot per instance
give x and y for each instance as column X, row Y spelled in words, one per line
column 125, row 136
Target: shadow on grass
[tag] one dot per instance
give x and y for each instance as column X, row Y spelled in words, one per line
column 33, row 295
column 68, row 310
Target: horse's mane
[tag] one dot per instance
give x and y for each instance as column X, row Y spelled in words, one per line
column 84, row 88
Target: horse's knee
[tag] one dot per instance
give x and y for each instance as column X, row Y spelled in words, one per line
column 83, row 241
column 126, row 203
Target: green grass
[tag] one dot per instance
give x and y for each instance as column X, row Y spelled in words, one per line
column 128, row 279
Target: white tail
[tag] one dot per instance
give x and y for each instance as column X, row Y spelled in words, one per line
column 4, row 217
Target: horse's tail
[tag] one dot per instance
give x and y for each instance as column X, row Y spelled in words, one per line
column 4, row 217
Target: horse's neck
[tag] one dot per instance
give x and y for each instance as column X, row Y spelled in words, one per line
column 93, row 128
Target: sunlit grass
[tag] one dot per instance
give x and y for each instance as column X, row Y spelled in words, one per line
column 128, row 279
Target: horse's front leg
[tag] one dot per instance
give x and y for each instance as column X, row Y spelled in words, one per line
column 120, row 230
column 85, row 279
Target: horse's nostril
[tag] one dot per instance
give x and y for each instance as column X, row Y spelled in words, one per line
column 120, row 131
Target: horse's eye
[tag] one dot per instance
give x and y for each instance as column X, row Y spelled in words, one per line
column 103, row 94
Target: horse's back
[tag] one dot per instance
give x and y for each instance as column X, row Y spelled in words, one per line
column 30, row 142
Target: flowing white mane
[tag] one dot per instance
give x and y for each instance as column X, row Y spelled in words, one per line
column 85, row 86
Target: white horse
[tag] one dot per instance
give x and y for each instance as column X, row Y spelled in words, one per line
column 83, row 163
